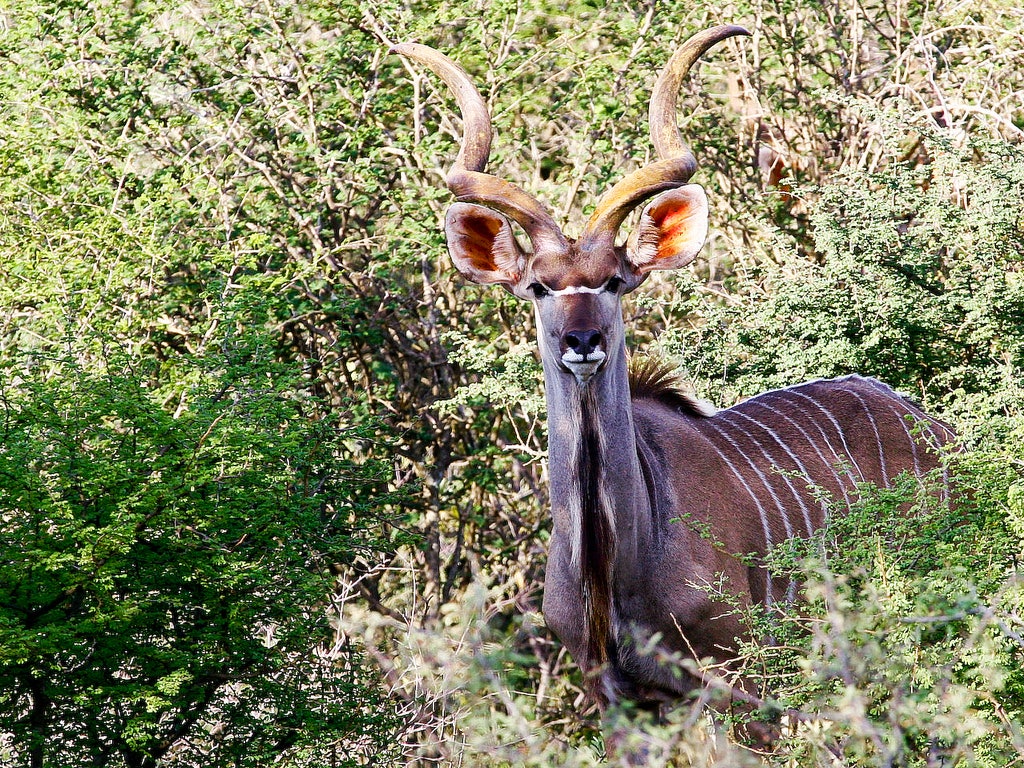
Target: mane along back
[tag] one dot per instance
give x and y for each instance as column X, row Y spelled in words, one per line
column 654, row 378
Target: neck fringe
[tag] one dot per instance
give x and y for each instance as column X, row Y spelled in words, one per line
column 650, row 378
column 597, row 546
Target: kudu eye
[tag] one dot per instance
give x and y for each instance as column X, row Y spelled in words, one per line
column 613, row 285
column 539, row 291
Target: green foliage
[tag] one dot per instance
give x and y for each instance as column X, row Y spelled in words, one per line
column 164, row 573
column 909, row 650
column 914, row 279
column 511, row 383
column 184, row 474
column 251, row 421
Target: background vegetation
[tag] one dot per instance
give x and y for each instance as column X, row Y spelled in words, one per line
column 271, row 479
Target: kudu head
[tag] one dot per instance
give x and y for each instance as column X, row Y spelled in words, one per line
column 576, row 285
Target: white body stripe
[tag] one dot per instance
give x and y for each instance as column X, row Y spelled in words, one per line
column 796, row 460
column 910, row 438
column 921, row 420
column 791, row 590
column 764, row 478
column 839, row 430
column 753, row 496
column 878, row 438
column 810, row 441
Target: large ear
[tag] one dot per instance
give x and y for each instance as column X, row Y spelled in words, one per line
column 672, row 229
column 482, row 245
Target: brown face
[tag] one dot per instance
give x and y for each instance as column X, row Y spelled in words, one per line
column 577, row 288
column 579, row 314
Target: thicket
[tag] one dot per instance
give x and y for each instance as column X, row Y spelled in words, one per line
column 271, row 478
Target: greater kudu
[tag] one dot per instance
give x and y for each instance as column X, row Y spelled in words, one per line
column 655, row 496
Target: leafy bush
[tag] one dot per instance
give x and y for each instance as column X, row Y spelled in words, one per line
column 914, row 278
column 164, row 574
column 237, row 366
column 909, row 648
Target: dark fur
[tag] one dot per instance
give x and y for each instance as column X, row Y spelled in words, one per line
column 597, row 551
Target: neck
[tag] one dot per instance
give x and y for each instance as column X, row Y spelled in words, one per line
column 598, row 495
column 590, row 431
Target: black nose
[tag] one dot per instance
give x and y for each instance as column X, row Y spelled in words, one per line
column 583, row 342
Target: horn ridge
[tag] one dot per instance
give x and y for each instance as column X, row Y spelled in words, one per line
column 467, row 179
column 665, row 136
column 676, row 162
column 476, row 120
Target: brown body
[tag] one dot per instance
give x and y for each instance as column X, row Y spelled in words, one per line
column 716, row 492
column 655, row 497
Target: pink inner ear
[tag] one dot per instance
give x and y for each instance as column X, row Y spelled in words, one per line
column 674, row 224
column 477, row 241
